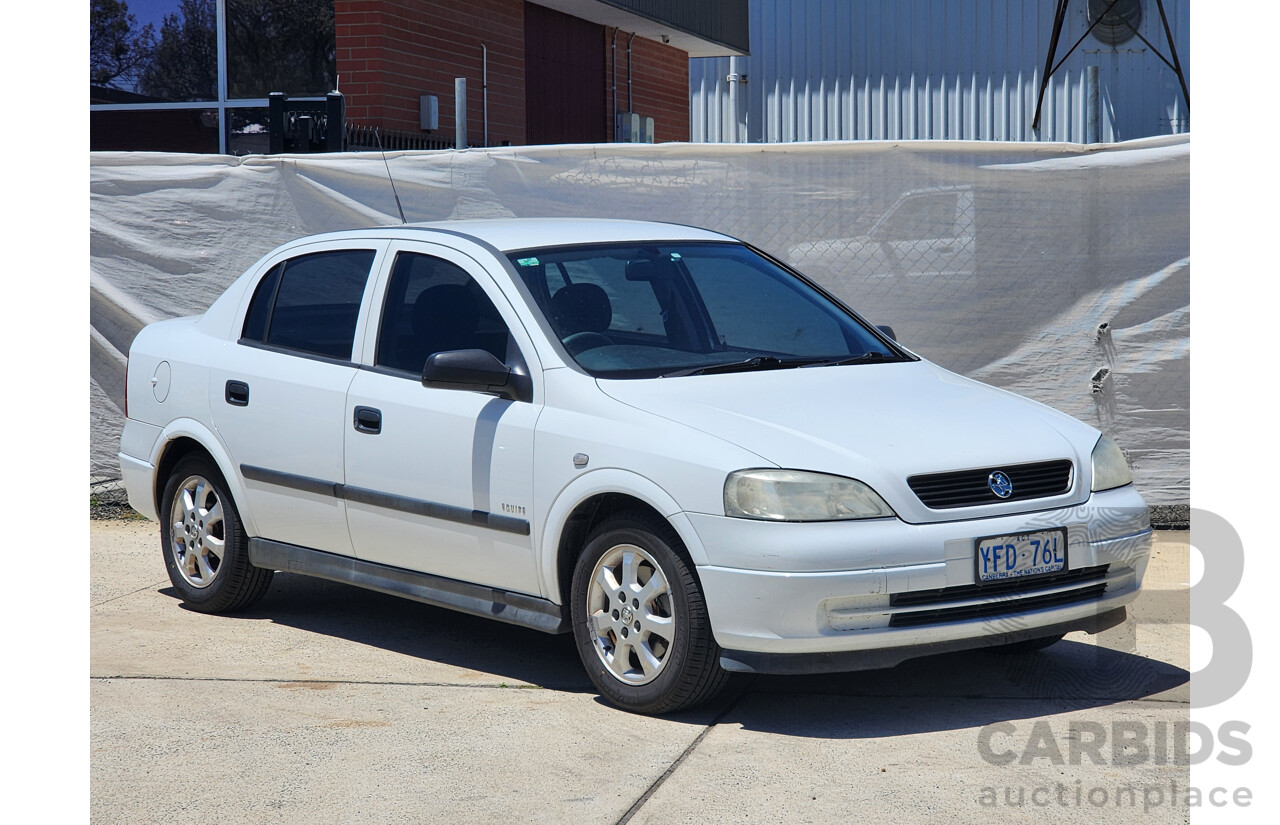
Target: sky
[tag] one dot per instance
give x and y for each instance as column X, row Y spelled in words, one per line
column 152, row 11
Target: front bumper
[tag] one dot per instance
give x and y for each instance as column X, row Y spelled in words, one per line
column 795, row 664
column 882, row 591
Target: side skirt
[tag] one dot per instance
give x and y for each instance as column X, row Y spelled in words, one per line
column 491, row 603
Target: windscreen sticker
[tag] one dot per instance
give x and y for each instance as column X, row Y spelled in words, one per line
column 528, row 261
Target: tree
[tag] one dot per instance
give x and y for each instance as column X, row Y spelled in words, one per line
column 118, row 50
column 279, row 46
column 184, row 64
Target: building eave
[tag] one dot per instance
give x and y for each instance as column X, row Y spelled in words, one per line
column 692, row 28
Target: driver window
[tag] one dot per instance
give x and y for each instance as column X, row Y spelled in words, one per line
column 433, row 306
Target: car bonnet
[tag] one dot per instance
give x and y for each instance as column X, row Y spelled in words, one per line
column 879, row 423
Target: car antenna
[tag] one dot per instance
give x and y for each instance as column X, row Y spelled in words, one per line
column 378, row 138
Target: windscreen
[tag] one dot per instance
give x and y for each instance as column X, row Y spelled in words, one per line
column 648, row 310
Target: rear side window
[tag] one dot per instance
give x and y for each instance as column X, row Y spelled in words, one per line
column 310, row 304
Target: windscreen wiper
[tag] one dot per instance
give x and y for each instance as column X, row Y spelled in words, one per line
column 755, row 362
column 770, row 362
column 864, row 358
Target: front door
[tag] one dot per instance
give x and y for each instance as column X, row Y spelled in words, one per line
column 441, row 481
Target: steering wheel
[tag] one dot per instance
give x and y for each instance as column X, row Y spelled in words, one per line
column 582, row 341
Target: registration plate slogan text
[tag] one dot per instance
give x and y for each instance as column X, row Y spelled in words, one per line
column 1023, row 554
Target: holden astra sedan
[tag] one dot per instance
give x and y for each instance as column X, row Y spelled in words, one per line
column 654, row 437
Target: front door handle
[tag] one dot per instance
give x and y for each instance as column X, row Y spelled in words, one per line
column 368, row 420
column 237, row 393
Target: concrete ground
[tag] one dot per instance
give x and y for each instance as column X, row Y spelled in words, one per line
column 328, row 704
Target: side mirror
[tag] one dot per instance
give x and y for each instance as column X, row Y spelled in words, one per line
column 476, row 370
column 887, row 330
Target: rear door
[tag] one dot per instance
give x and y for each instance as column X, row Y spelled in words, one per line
column 441, row 481
column 279, row 392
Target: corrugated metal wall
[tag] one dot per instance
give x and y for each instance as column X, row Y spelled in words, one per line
column 935, row 69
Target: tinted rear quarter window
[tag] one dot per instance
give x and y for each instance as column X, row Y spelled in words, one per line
column 255, row 322
column 311, row 303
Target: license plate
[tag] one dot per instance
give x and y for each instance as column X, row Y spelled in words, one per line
column 1024, row 554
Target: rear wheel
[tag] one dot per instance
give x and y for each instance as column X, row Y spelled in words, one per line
column 205, row 549
column 639, row 618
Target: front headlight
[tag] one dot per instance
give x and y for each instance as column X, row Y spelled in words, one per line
column 794, row 495
column 1110, row 470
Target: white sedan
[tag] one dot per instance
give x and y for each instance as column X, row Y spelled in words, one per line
column 654, row 436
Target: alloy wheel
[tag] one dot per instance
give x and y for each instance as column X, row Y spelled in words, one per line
column 198, row 531
column 631, row 616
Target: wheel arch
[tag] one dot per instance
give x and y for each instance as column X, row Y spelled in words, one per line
column 186, row 437
column 585, row 503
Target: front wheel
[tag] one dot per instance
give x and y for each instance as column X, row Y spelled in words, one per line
column 639, row 618
column 205, row 549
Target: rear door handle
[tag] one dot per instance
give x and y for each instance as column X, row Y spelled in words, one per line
column 237, row 393
column 368, row 420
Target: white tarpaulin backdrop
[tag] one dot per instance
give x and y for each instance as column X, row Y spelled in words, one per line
column 1057, row 271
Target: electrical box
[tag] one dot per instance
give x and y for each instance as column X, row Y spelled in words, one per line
column 428, row 113
column 625, row 125
column 630, row 127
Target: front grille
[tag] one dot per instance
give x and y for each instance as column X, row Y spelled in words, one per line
column 968, row 488
column 975, row 601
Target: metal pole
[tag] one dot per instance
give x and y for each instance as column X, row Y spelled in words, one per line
column 630, row 105
column 733, row 79
column 484, row 88
column 1060, row 14
column 613, row 78
column 1092, row 107
column 275, row 122
column 220, row 27
column 1173, row 52
column 460, row 113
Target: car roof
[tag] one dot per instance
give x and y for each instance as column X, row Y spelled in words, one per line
column 510, row 234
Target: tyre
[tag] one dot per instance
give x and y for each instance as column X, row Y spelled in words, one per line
column 205, row 549
column 639, row 619
column 1026, row 646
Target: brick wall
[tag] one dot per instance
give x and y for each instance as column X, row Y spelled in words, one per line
column 659, row 84
column 389, row 52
